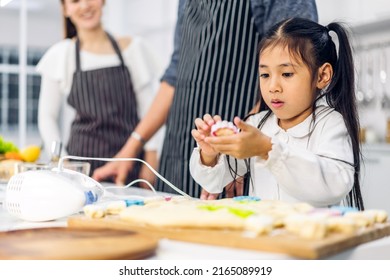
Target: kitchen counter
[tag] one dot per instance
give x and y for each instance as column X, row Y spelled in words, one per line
column 170, row 249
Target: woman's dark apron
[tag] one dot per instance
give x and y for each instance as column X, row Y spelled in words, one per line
column 106, row 110
column 217, row 74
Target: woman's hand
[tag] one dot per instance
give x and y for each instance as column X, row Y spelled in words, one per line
column 117, row 170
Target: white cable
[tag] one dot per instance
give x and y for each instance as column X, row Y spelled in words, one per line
column 129, row 185
column 144, row 181
column 132, row 183
column 60, row 163
column 112, row 195
column 109, row 196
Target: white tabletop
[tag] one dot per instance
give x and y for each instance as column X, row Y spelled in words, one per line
column 171, row 250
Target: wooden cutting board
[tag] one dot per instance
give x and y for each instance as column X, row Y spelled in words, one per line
column 281, row 242
column 75, row 244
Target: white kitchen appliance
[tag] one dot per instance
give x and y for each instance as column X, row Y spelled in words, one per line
column 44, row 195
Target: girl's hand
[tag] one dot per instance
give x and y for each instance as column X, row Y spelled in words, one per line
column 248, row 143
column 203, row 129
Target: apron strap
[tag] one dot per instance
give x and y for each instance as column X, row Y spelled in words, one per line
column 116, row 48
column 114, row 45
column 77, row 45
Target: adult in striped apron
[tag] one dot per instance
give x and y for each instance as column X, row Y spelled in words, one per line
column 216, row 75
column 106, row 109
column 215, row 71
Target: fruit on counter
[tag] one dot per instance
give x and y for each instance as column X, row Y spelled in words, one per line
column 9, row 150
column 30, row 153
column 13, row 155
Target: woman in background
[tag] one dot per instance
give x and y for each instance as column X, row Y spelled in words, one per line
column 106, row 82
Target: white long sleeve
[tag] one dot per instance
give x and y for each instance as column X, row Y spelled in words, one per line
column 54, row 116
column 213, row 179
column 316, row 168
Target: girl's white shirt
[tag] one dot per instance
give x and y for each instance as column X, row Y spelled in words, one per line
column 57, row 67
column 306, row 163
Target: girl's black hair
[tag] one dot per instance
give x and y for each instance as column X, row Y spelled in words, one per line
column 312, row 43
column 69, row 28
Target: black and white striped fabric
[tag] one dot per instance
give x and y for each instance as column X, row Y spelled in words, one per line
column 217, row 74
column 106, row 109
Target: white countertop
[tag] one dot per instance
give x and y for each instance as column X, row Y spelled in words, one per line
column 171, row 250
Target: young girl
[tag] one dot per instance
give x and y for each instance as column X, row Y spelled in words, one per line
column 303, row 146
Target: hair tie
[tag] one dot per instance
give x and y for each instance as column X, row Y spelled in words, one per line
column 327, row 28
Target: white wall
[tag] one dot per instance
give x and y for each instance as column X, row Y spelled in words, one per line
column 152, row 19
column 43, row 29
column 353, row 11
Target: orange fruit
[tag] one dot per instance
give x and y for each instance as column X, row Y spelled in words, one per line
column 30, row 153
column 13, row 155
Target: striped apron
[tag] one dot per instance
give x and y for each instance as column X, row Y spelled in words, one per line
column 106, row 109
column 217, row 74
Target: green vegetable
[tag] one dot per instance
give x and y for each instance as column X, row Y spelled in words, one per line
column 7, row 146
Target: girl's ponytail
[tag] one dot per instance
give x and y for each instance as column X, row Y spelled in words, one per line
column 341, row 95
